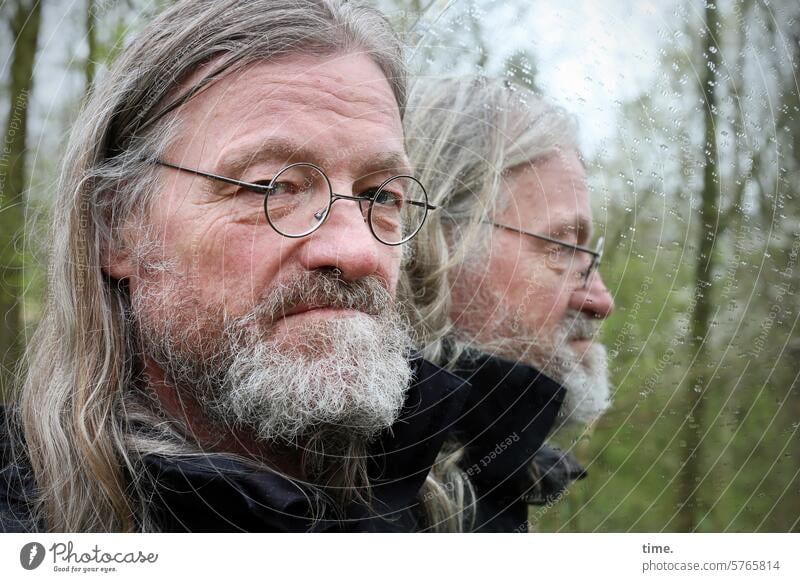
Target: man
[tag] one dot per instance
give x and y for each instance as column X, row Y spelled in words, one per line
column 524, row 293
column 222, row 349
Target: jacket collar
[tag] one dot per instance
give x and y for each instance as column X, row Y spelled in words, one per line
column 506, row 389
column 512, row 406
column 219, row 493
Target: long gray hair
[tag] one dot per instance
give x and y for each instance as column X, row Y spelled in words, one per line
column 74, row 408
column 463, row 135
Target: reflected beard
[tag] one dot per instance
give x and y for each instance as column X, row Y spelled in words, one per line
column 345, row 378
column 585, row 376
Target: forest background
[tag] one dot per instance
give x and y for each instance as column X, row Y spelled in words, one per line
column 690, row 130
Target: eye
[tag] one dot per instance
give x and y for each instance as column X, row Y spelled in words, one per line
column 559, row 256
column 262, row 190
column 386, row 198
column 390, row 198
column 556, row 251
column 285, row 188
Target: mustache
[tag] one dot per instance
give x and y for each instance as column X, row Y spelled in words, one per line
column 577, row 324
column 314, row 289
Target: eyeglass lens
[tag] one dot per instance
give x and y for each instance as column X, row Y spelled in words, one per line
column 397, row 210
column 298, row 201
column 301, row 197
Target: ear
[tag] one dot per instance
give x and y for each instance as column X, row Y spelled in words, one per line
column 116, row 261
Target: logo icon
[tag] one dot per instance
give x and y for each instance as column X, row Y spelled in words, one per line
column 31, row 555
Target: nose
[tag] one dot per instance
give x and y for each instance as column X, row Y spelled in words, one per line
column 595, row 300
column 343, row 242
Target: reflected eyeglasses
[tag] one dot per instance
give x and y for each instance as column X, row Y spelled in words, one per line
column 596, row 253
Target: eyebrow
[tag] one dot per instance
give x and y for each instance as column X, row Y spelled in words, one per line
column 396, row 162
column 284, row 151
column 238, row 158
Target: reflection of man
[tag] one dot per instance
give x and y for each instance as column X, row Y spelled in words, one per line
column 523, row 268
column 222, row 343
column 545, row 296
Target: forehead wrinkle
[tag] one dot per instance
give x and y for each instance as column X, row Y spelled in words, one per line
column 283, row 149
column 305, row 93
column 333, row 94
column 295, row 93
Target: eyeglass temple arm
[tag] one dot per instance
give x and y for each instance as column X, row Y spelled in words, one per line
column 424, row 205
column 592, row 252
column 263, row 188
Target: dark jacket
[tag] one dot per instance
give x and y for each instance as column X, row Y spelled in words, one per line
column 217, row 493
column 511, row 410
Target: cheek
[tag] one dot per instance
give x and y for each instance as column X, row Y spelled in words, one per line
column 524, row 288
column 505, row 276
column 393, row 265
column 481, row 292
column 232, row 264
column 544, row 297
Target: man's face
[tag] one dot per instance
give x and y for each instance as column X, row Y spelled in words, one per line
column 527, row 299
column 268, row 331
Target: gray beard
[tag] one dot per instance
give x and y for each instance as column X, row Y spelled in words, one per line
column 584, row 377
column 344, row 378
column 354, row 386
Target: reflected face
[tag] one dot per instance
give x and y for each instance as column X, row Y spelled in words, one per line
column 281, row 335
column 527, row 298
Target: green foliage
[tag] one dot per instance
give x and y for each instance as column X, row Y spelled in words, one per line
column 749, row 447
column 23, row 22
column 647, row 204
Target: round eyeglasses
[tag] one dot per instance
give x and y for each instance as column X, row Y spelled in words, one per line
column 298, row 199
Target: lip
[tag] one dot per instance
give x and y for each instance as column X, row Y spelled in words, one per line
column 318, row 311
column 581, row 340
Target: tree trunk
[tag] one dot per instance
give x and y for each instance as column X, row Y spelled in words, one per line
column 24, row 25
column 91, row 39
column 689, row 504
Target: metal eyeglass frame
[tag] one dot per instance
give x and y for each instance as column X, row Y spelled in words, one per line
column 596, row 253
column 267, row 188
